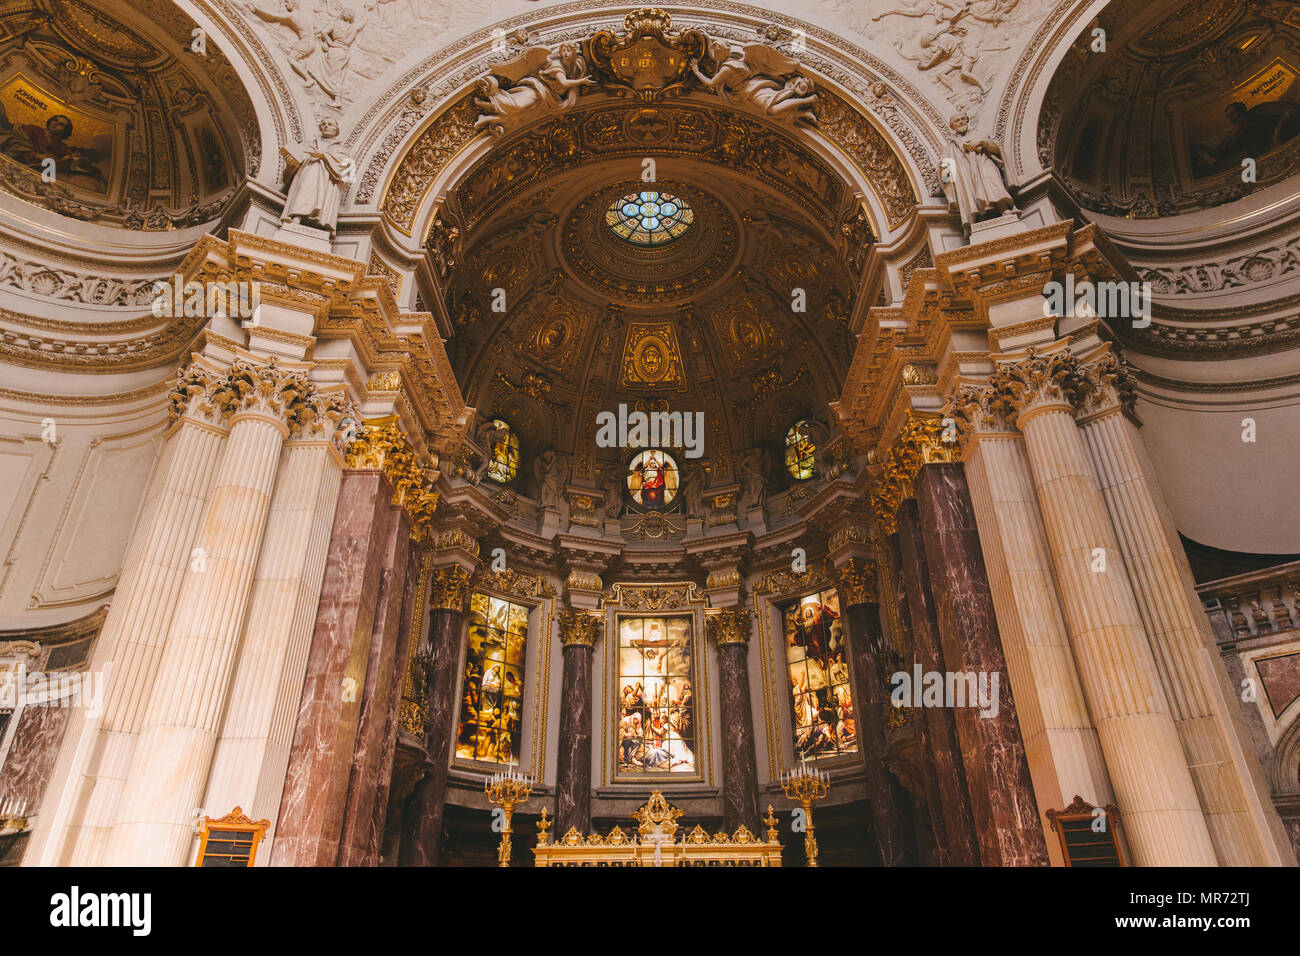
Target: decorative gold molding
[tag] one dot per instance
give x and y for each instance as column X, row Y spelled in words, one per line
column 580, row 628
column 382, row 445
column 729, row 625
column 531, row 584
column 919, row 442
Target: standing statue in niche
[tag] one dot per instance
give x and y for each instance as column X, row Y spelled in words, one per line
column 551, row 469
column 752, row 468
column 972, row 176
column 762, row 78
column 693, row 491
column 319, row 173
column 540, row 81
column 612, row 484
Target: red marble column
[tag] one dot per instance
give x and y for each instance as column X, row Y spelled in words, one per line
column 320, row 760
column 890, row 805
column 409, row 641
column 938, row 725
column 997, row 774
column 579, row 631
column 422, row 818
column 933, row 819
column 381, row 674
column 729, row 628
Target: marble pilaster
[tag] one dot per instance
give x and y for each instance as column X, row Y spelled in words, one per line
column 1007, row 822
column 315, row 787
column 579, row 631
column 868, row 651
column 729, row 628
column 422, row 819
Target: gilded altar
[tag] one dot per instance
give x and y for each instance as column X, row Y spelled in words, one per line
column 655, row 842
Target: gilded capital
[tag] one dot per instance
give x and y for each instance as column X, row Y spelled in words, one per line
column 450, row 589
column 579, row 628
column 921, row 440
column 201, row 394
column 267, row 389
column 1107, row 382
column 730, row 625
column 856, row 582
column 381, row 444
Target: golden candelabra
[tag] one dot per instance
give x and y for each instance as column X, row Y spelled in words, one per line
column 13, row 816
column 507, row 789
column 803, row 786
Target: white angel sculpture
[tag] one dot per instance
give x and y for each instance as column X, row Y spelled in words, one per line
column 763, row 79
column 540, row 81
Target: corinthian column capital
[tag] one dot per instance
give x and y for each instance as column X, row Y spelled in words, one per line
column 728, row 625
column 579, row 628
column 201, row 394
column 272, row 391
column 856, row 582
column 450, row 588
column 1105, row 383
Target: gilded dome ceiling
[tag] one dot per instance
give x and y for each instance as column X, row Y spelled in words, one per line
column 556, row 318
column 1185, row 92
column 103, row 121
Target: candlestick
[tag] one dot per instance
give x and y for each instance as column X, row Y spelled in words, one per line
column 804, row 786
column 508, row 789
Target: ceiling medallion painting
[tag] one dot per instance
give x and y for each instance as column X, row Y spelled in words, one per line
column 651, row 358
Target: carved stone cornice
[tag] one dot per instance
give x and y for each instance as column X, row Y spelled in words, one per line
column 531, row 584
column 789, row 582
column 856, row 582
column 729, row 625
column 450, row 588
column 580, row 628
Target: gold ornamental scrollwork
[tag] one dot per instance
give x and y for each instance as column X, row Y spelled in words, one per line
column 788, row 582
column 579, row 628
column 450, row 588
column 729, row 625
column 529, row 584
column 649, row 60
column 655, row 597
column 382, row 445
column 856, row 582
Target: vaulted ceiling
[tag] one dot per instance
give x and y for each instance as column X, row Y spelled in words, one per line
column 712, row 321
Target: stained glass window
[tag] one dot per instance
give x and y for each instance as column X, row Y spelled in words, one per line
column 816, row 656
column 656, row 724
column 649, row 217
column 491, row 701
column 800, row 451
column 503, row 455
column 652, row 479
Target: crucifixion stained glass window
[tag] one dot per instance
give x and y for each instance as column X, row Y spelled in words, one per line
column 656, row 724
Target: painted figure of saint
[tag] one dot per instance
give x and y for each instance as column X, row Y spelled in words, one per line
column 652, row 483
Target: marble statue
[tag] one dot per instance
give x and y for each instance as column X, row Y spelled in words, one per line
column 612, row 483
column 319, row 172
column 762, row 78
column 540, row 81
column 551, row 469
column 752, row 467
column 693, row 491
column 972, row 176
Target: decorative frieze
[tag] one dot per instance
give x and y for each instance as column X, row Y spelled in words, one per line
column 528, row 584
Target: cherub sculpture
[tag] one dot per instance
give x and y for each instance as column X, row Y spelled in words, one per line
column 763, row 79
column 540, row 81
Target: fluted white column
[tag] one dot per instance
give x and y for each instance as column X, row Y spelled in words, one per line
column 1061, row 744
column 1243, row 823
column 1159, row 807
column 154, row 821
column 88, row 777
column 252, row 752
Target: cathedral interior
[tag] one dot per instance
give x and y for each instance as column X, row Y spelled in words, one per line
column 438, row 433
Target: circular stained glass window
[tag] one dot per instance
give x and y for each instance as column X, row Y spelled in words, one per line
column 649, row 218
